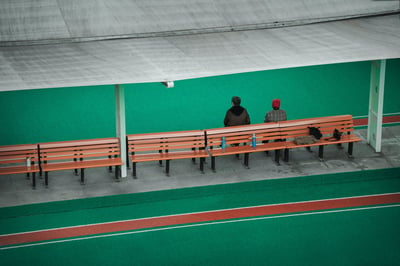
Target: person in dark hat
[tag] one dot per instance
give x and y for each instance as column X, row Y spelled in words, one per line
column 236, row 115
column 276, row 114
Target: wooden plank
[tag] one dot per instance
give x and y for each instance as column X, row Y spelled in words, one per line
column 46, row 167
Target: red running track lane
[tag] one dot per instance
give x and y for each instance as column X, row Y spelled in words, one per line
column 208, row 216
column 385, row 120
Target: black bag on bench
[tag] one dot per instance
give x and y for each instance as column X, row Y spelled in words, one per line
column 315, row 132
column 337, row 134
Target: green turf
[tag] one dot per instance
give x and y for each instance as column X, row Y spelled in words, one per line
column 149, row 204
column 367, row 237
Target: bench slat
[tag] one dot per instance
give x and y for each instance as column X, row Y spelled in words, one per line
column 77, row 157
column 54, row 148
column 247, row 149
column 80, row 143
column 80, row 164
column 168, row 156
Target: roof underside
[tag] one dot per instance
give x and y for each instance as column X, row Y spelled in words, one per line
column 59, row 47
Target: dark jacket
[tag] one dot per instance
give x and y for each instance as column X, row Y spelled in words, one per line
column 235, row 116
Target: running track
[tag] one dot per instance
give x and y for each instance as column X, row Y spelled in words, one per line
column 198, row 217
column 385, row 120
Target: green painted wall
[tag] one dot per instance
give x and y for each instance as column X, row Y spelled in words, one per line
column 33, row 116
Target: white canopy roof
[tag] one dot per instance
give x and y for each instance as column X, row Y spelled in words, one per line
column 49, row 43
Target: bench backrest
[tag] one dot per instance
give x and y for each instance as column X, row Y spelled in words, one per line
column 163, row 142
column 91, row 149
column 242, row 134
column 294, row 128
column 17, row 155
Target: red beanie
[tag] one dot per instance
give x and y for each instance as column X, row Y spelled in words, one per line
column 276, row 103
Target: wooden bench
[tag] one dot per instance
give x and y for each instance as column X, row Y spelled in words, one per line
column 19, row 159
column 80, row 154
column 165, row 147
column 239, row 140
column 295, row 128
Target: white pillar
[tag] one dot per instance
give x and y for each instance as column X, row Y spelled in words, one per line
column 375, row 114
column 121, row 124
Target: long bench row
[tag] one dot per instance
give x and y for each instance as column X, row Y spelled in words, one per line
column 244, row 139
column 193, row 144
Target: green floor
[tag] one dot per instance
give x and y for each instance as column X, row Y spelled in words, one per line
column 359, row 237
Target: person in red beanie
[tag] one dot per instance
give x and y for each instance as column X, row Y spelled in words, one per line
column 276, row 114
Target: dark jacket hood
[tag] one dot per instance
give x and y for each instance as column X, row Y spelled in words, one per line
column 237, row 110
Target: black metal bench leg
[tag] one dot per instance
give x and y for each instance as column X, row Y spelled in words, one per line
column 160, row 161
column 117, row 171
column 350, row 149
column 134, row 170
column 213, row 163
column 277, row 155
column 110, row 167
column 33, row 180
column 286, row 155
column 321, row 152
column 76, row 170
column 82, row 176
column 167, row 167
column 194, row 159
column 127, row 155
column 202, row 165
column 246, row 160
column 46, row 178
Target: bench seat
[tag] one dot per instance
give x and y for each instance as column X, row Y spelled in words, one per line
column 10, row 170
column 324, row 141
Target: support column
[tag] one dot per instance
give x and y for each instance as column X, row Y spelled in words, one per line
column 121, row 124
column 375, row 114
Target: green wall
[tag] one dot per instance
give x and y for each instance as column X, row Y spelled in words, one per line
column 33, row 116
